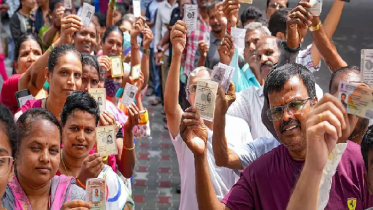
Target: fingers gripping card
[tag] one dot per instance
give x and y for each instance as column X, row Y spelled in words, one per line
column 87, row 13
column 96, row 193
column 106, row 144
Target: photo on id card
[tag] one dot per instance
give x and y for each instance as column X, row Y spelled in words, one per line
column 96, row 193
column 106, row 144
column 205, row 98
column 129, row 94
column 116, row 66
column 99, row 94
column 87, row 13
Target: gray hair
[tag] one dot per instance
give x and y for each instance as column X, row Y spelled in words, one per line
column 194, row 74
column 256, row 25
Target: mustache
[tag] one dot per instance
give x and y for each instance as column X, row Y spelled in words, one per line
column 289, row 122
column 215, row 24
column 267, row 63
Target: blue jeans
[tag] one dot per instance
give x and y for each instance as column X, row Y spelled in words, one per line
column 156, row 80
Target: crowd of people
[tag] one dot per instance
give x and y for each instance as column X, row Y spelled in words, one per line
column 276, row 141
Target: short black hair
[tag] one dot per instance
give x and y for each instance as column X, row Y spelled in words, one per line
column 211, row 6
column 343, row 70
column 122, row 8
column 367, row 145
column 8, row 126
column 52, row 4
column 252, row 13
column 90, row 60
column 277, row 78
column 343, row 94
column 80, row 100
column 287, row 3
column 277, row 22
column 27, row 119
column 111, row 29
column 58, row 52
column 20, row 41
column 101, row 18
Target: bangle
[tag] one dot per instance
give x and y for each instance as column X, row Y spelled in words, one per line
column 288, row 49
column 315, row 28
column 80, row 184
column 51, row 48
column 129, row 149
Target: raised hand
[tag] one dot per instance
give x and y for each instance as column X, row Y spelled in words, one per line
column 148, row 37
column 178, row 37
column 203, row 48
column 75, row 205
column 193, row 131
column 91, row 167
column 60, row 11
column 326, row 123
column 223, row 101
column 226, row 49
column 105, row 63
column 70, row 25
column 133, row 117
column 298, row 21
column 230, row 9
column 138, row 27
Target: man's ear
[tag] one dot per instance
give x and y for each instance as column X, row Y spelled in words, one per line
column 280, row 35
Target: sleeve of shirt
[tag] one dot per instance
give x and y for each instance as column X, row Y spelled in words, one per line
column 158, row 29
column 305, row 58
column 241, row 195
column 239, row 108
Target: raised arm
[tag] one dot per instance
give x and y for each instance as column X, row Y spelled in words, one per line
column 224, row 157
column 51, row 33
column 34, row 79
column 171, row 96
column 148, row 38
column 110, row 14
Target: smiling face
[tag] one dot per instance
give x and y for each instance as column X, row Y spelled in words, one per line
column 79, row 134
column 291, row 129
column 214, row 23
column 39, row 155
column 29, row 52
column 113, row 44
column 85, row 39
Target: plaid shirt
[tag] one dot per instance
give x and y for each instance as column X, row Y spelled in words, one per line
column 305, row 58
column 192, row 44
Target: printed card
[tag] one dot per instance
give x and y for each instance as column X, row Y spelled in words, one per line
column 96, row 193
column 129, row 94
column 316, row 8
column 247, row 1
column 239, row 37
column 106, row 144
column 357, row 99
column 67, row 4
column 191, row 14
column 366, row 66
column 135, row 72
column 116, row 66
column 205, row 98
column 223, row 75
column 87, row 13
column 99, row 94
column 136, row 8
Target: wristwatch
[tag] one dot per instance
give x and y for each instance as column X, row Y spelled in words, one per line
column 146, row 51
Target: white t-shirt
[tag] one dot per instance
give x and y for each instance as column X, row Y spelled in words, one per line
column 237, row 132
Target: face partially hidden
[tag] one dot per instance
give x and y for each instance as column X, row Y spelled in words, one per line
column 5, row 150
column 79, row 134
column 275, row 5
column 214, row 23
column 90, row 78
column 267, row 53
column 251, row 40
column 113, row 44
column 291, row 129
column 39, row 155
column 29, row 52
column 203, row 74
column 86, row 39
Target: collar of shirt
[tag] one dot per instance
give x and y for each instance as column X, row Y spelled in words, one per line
column 260, row 91
column 213, row 38
column 169, row 5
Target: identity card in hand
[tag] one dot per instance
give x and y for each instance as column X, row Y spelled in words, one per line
column 67, row 4
column 96, row 193
column 366, row 66
column 357, row 99
column 239, row 37
column 205, row 98
column 106, row 144
column 129, row 94
column 316, row 8
column 136, row 8
column 87, row 13
column 222, row 74
column 99, row 94
column 191, row 13
column 135, row 72
column 116, row 66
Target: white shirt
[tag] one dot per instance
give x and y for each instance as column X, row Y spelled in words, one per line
column 237, row 132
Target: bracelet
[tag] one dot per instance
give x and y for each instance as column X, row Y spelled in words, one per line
column 57, row 27
column 129, row 149
column 288, row 49
column 315, row 28
column 51, row 48
column 80, row 184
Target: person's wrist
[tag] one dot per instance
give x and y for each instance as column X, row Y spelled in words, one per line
column 315, row 21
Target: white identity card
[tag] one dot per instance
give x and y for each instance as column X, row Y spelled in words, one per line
column 129, row 94
column 222, row 74
column 106, row 137
column 316, row 8
column 96, row 193
column 191, row 14
column 116, row 66
column 366, row 66
column 67, row 4
column 136, row 8
column 87, row 13
column 135, row 72
column 205, row 98
column 239, row 37
column 99, row 94
column 356, row 98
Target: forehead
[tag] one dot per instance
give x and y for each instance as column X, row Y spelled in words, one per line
column 79, row 116
column 253, row 34
column 29, row 43
column 88, row 69
column 294, row 88
column 116, row 34
column 267, row 44
column 43, row 131
column 346, row 77
column 202, row 74
column 212, row 11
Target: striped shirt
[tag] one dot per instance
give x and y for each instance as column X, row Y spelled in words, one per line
column 305, row 58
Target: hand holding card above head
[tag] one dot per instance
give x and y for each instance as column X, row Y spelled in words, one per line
column 221, row 16
column 223, row 101
column 226, row 49
column 138, row 27
column 298, row 21
column 148, row 37
column 91, row 167
column 231, row 8
column 203, row 48
column 70, row 25
column 178, row 37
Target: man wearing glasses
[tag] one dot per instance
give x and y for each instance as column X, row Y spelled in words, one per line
column 274, row 5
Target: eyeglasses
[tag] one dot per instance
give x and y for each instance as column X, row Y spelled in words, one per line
column 293, row 107
column 192, row 88
column 276, row 6
column 6, row 163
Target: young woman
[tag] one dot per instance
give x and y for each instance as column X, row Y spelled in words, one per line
column 34, row 185
column 8, row 133
column 22, row 21
column 79, row 118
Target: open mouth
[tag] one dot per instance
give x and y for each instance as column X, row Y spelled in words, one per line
column 290, row 126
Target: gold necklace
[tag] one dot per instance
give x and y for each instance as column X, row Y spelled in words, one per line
column 63, row 163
